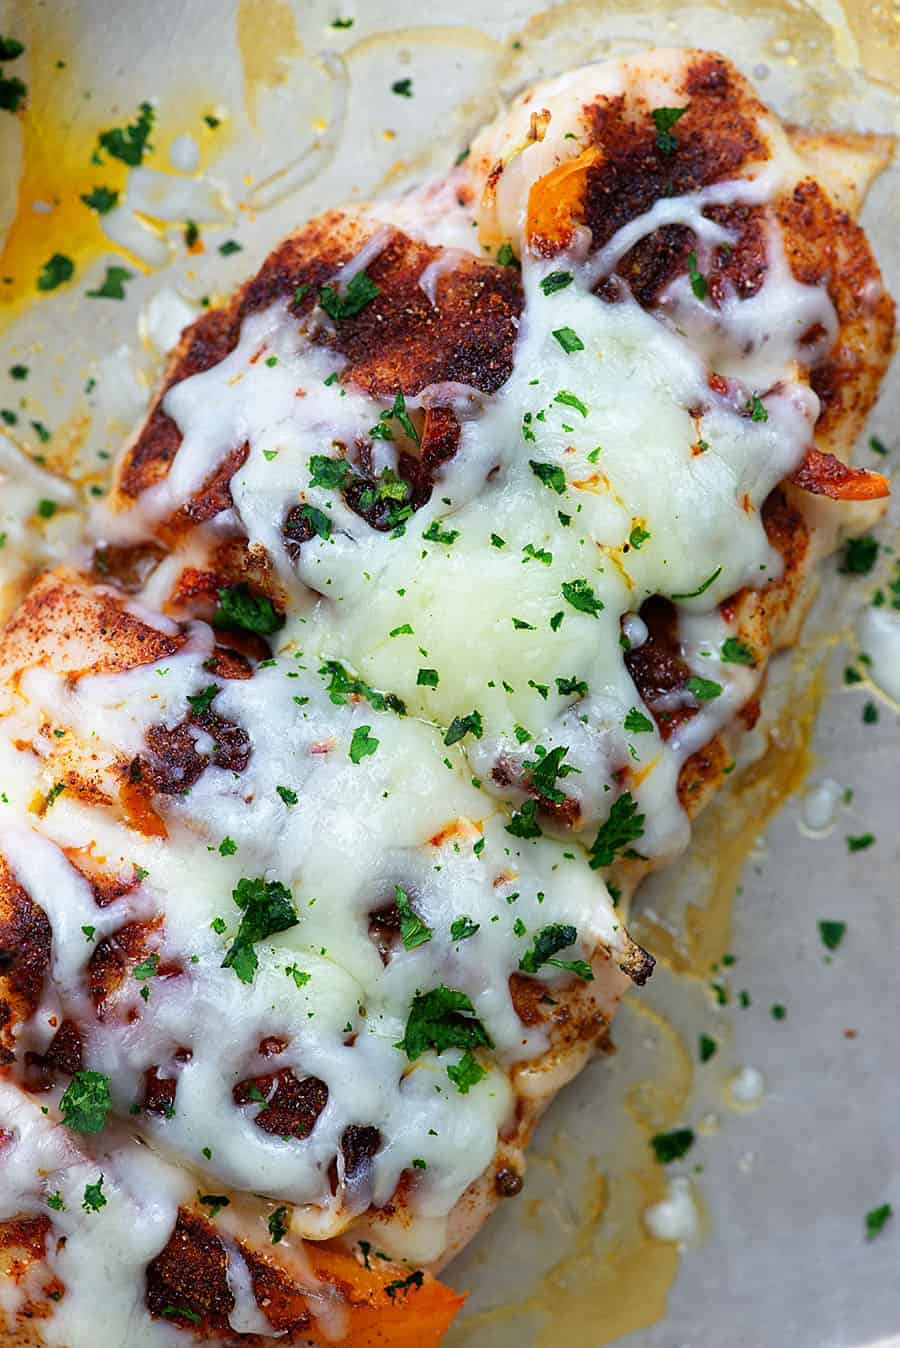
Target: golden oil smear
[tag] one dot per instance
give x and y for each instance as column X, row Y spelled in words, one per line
column 726, row 833
column 267, row 40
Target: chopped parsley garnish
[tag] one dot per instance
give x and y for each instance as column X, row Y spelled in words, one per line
column 40, row 431
column 435, row 534
column 182, row 1312
column 239, row 608
column 664, row 119
column 876, row 1219
column 342, row 686
column 360, row 291
column 497, row 541
column 567, row 399
column 403, row 88
column 55, row 1201
column 101, row 199
column 533, row 554
column 86, row 1102
column 12, row 92
column 215, row 1203
column 461, row 726
column 227, row 847
column 326, row 472
column 47, row 509
column 342, row 23
column 405, row 1284
column 636, row 723
column 267, row 908
column 466, row 1073
column 638, row 537
column 404, row 630
column 580, row 595
column 877, row 446
column 55, row 272
column 279, row 1223
column 568, row 340
column 704, row 690
column 524, row 822
column 860, row 555
column 702, row 588
column 148, row 968
column 413, row 931
column 10, row 48
column 672, row 1146
column 707, row 1047
column 461, row 928
column 735, row 652
column 698, row 281
column 550, row 474
column 427, row 678
column 131, row 144
column 201, row 702
column 556, row 280
column 89, row 931
column 870, row 714
column 624, row 825
column 229, row 247
column 506, row 257
column 94, row 1198
column 287, row 794
column 544, row 769
column 777, row 1011
column 832, row 933
column 522, row 626
column 546, row 945
column 113, row 287
column 568, row 686
column 440, row 1019
column 860, row 842
column 363, row 744
column 18, row 372
column 754, row 406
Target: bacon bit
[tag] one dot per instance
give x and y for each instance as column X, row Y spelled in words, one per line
column 323, row 747
column 456, row 828
column 299, row 392
column 636, row 777
column 52, row 1021
column 746, row 504
column 139, row 813
column 257, row 354
column 696, row 448
column 506, row 877
column 826, row 475
column 718, row 384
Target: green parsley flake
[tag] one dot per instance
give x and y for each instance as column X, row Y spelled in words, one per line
column 664, row 119
column 698, row 281
column 702, row 588
column 440, row 1019
column 860, row 842
column 268, row 908
column 580, row 595
column 55, row 272
column 101, row 199
column 707, row 1048
column 200, row 703
column 287, row 794
column 131, row 144
column 506, row 257
column 735, row 652
column 567, row 686
column 636, row 723
column 413, row 932
column 832, row 933
column 556, row 280
column 94, row 1198
column 363, row 744
column 546, row 944
column 427, row 678
column 238, row 608
column 461, row 726
column 550, row 474
column 360, row 291
column 754, row 406
column 568, row 399
column 860, row 556
column 524, row 823
column 113, row 287
column 704, row 690
column 227, row 847
column 148, row 968
column 668, row 1147
column 876, row 1220
column 403, row 87
column 435, row 534
column 623, row 826
column 229, row 247
column 461, row 928
column 86, row 1102
column 279, row 1224
column 466, row 1073
column 568, row 340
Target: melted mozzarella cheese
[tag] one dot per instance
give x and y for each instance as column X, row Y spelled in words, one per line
column 577, row 491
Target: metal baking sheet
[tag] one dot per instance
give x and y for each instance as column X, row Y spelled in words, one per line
column 781, row 1259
